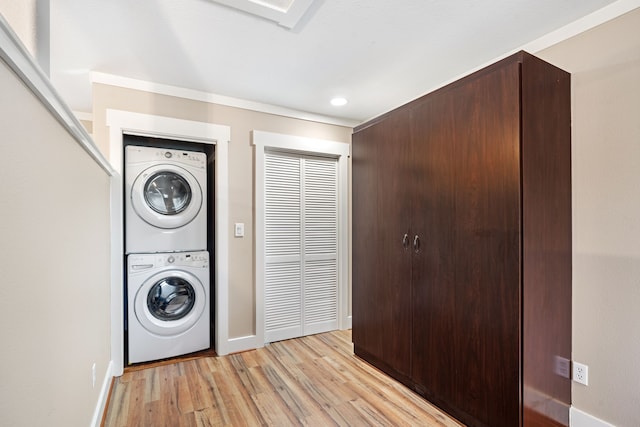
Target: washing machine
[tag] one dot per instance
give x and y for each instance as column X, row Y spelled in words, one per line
column 168, row 305
column 165, row 200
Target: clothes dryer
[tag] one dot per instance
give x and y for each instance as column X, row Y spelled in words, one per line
column 168, row 305
column 165, row 200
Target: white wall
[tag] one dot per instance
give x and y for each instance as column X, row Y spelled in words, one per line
column 605, row 67
column 54, row 259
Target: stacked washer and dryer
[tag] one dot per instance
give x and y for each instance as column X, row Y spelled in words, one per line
column 168, row 292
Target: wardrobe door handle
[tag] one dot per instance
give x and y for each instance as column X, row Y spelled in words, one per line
column 405, row 241
column 416, row 244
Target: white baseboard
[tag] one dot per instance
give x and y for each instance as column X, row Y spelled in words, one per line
column 250, row 342
column 348, row 323
column 236, row 345
column 103, row 397
column 579, row 418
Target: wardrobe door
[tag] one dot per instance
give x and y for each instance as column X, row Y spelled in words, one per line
column 466, row 275
column 487, row 247
column 433, row 297
column 381, row 244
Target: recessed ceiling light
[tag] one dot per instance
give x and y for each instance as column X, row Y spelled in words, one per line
column 338, row 102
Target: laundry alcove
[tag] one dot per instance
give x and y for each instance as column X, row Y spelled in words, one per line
column 122, row 123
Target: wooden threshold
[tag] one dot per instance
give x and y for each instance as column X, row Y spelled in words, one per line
column 191, row 356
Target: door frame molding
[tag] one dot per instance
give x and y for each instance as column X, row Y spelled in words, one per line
column 264, row 141
column 126, row 122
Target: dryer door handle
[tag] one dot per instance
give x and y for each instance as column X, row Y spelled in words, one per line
column 141, row 266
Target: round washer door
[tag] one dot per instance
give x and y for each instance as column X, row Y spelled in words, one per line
column 166, row 196
column 170, row 303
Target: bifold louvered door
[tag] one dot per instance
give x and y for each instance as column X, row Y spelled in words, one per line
column 301, row 241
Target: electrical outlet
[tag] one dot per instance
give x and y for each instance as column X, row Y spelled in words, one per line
column 580, row 373
column 93, row 375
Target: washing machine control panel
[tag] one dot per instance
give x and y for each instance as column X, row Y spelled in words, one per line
column 138, row 262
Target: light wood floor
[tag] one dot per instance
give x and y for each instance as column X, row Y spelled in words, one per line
column 315, row 381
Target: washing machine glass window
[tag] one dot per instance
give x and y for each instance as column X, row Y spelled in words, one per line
column 170, row 302
column 171, row 299
column 167, row 193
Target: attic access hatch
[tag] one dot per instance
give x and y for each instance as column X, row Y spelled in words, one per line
column 286, row 13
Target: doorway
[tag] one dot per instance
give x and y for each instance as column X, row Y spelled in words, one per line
column 301, row 245
column 321, row 302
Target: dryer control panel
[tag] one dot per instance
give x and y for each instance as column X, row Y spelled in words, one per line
column 135, row 154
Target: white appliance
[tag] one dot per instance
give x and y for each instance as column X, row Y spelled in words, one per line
column 165, row 200
column 168, row 305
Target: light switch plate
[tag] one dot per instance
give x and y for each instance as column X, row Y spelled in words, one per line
column 239, row 229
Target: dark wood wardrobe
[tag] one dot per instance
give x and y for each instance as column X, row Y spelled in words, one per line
column 462, row 244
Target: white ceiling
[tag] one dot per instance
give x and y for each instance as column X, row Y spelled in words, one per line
column 378, row 54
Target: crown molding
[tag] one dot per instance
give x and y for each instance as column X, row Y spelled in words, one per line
column 196, row 95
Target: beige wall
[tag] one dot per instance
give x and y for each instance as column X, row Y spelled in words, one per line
column 242, row 122
column 605, row 67
column 55, row 264
column 22, row 17
column 29, row 19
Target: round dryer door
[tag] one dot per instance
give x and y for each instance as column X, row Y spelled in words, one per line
column 170, row 303
column 166, row 196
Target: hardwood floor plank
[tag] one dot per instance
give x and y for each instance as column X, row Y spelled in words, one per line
column 314, row 380
column 151, row 391
column 274, row 410
column 291, row 393
column 251, row 382
column 169, row 400
column 118, row 406
column 237, row 397
column 155, row 414
column 226, row 399
column 136, row 401
column 188, row 420
column 183, row 395
column 370, row 414
column 209, row 417
column 349, row 415
column 201, row 399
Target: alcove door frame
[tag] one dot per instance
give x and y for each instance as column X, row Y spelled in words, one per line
column 126, row 122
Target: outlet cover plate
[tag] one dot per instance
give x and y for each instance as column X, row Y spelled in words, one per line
column 580, row 373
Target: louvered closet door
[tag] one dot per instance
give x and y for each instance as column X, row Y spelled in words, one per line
column 301, row 236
